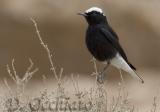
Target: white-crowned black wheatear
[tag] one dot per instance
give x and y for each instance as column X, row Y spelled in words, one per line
column 103, row 43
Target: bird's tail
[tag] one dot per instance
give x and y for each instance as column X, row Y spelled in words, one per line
column 135, row 75
column 120, row 63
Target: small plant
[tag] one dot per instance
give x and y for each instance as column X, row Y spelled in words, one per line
column 20, row 82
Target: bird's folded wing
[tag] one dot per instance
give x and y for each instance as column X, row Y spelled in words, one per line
column 113, row 32
column 114, row 42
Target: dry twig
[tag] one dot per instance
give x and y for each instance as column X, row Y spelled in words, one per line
column 53, row 68
column 20, row 82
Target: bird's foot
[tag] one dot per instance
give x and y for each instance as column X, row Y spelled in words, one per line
column 100, row 78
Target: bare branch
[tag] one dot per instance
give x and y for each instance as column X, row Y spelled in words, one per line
column 14, row 70
column 60, row 75
column 46, row 48
column 7, row 85
column 30, row 67
column 29, row 75
column 10, row 74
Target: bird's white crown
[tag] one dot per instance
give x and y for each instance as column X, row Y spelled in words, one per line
column 94, row 9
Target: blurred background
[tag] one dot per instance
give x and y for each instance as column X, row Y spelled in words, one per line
column 136, row 23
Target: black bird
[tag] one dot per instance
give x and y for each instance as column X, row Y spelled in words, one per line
column 103, row 43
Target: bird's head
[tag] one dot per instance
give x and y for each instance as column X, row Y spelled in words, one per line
column 94, row 15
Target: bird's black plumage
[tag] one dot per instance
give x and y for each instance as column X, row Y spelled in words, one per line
column 98, row 44
column 103, row 43
column 101, row 40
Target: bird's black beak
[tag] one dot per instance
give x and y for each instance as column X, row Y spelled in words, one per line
column 82, row 14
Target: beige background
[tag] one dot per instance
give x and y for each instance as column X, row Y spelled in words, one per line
column 136, row 22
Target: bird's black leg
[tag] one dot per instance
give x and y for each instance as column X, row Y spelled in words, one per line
column 100, row 76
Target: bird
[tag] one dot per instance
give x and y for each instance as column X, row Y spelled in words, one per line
column 103, row 43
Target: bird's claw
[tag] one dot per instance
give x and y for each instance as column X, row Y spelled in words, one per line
column 100, row 78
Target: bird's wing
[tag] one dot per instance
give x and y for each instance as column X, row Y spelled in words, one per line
column 112, row 32
column 113, row 39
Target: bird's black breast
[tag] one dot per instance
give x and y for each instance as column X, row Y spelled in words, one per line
column 98, row 45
